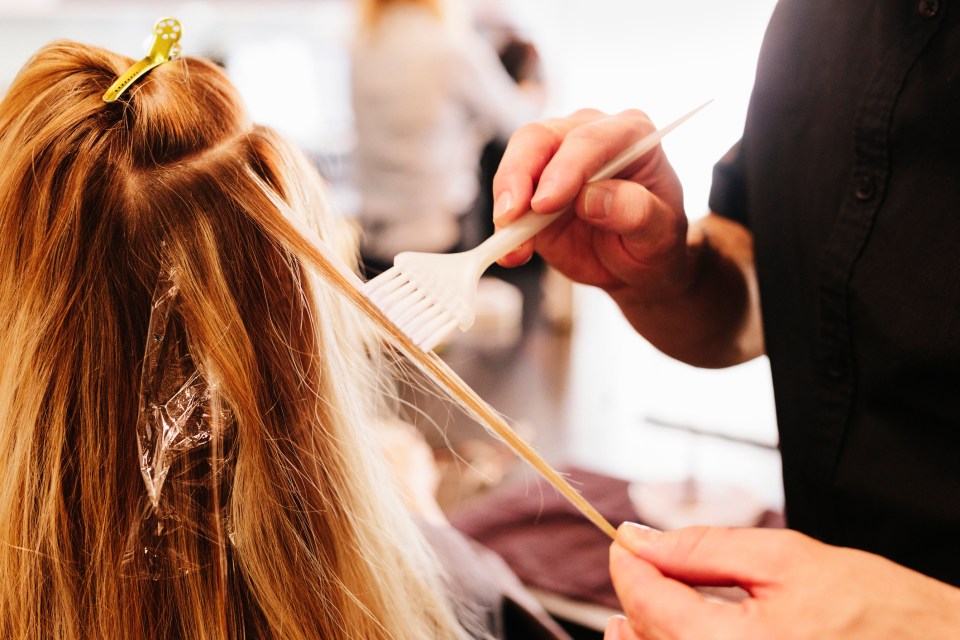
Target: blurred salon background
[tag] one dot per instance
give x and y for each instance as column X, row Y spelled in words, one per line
column 563, row 365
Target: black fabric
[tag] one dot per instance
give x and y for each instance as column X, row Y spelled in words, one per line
column 848, row 175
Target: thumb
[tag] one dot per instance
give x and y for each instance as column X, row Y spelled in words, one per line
column 620, row 206
column 660, row 607
column 647, row 223
column 750, row 558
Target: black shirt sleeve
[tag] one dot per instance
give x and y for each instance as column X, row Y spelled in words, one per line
column 728, row 192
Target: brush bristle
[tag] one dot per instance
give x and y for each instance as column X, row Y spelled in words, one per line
column 420, row 317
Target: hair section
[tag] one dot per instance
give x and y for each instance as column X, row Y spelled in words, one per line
column 281, row 525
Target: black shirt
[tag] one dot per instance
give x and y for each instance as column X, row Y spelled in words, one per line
column 848, row 175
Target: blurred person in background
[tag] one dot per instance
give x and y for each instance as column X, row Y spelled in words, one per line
column 521, row 60
column 428, row 93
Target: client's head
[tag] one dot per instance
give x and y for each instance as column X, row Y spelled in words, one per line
column 182, row 402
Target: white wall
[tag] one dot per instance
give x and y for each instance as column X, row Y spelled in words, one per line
column 662, row 57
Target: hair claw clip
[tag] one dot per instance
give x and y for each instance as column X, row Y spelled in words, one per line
column 166, row 47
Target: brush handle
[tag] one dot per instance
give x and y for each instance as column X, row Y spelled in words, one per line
column 530, row 224
column 506, row 240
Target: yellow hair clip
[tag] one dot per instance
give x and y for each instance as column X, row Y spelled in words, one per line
column 166, row 47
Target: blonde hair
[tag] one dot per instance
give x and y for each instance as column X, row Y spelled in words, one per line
column 372, row 10
column 281, row 525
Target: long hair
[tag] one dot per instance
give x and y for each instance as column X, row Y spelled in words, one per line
column 277, row 522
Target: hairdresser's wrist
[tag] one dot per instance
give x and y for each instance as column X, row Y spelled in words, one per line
column 704, row 310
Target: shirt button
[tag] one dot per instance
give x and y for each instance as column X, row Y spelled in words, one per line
column 864, row 189
column 928, row 8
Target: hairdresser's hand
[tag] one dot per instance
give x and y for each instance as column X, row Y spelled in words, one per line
column 799, row 588
column 624, row 233
column 689, row 290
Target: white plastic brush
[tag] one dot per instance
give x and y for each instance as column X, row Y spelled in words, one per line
column 427, row 295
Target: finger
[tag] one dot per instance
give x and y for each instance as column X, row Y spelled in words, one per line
column 528, row 152
column 582, row 153
column 647, row 224
column 618, row 629
column 660, row 607
column 716, row 556
column 519, row 256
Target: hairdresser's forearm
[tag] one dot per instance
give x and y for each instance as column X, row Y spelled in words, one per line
column 712, row 319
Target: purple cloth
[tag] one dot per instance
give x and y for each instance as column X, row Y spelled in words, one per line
column 546, row 541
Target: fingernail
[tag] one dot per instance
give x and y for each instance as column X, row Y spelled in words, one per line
column 545, row 189
column 614, row 628
column 596, row 202
column 513, row 259
column 502, row 204
column 633, row 535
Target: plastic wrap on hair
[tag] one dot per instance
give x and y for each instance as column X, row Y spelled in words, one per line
column 178, row 412
column 173, row 394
